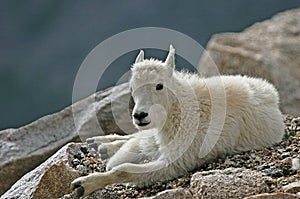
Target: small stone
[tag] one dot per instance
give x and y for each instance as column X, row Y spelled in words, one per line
column 296, row 163
column 86, row 163
column 280, row 150
column 296, row 149
column 93, row 146
column 263, row 167
column 135, row 192
column 84, row 149
column 285, row 155
column 92, row 153
column 228, row 162
column 273, row 172
column 82, row 170
column 296, row 120
column 92, row 160
column 75, row 162
column 289, row 148
column 79, row 155
column 287, row 161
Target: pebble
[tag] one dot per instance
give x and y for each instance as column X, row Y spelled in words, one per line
column 75, row 162
column 273, row 172
column 292, row 187
column 86, row 163
column 84, row 149
column 285, row 155
column 79, row 155
column 93, row 153
column 296, row 163
column 83, row 171
column 262, row 167
column 93, row 146
column 280, row 150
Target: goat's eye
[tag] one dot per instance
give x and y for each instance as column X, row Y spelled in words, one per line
column 159, row 86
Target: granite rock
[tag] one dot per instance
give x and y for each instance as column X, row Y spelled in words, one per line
column 268, row 49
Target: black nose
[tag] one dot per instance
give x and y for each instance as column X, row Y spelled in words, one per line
column 140, row 116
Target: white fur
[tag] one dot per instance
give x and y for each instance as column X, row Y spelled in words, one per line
column 179, row 118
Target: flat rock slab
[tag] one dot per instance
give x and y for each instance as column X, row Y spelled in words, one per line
column 229, row 183
column 173, row 193
column 274, row 196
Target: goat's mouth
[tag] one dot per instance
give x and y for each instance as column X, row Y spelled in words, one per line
column 143, row 123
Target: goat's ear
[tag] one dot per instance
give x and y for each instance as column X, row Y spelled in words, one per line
column 170, row 61
column 140, row 57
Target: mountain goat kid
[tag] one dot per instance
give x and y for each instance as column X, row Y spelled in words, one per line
column 185, row 121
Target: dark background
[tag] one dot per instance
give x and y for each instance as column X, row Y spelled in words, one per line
column 43, row 43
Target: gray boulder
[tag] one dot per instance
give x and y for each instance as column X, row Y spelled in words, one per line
column 23, row 149
column 269, row 49
column 49, row 180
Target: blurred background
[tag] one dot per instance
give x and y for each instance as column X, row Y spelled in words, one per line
column 43, row 43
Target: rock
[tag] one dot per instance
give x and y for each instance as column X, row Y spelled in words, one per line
column 286, row 154
column 49, row 180
column 292, row 187
column 173, row 193
column 269, row 49
column 170, row 193
column 23, row 149
column 273, row 172
column 296, row 163
column 229, row 183
column 273, row 196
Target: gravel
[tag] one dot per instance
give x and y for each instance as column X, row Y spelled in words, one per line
column 275, row 161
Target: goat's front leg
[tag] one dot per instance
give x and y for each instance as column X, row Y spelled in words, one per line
column 108, row 145
column 108, row 138
column 142, row 174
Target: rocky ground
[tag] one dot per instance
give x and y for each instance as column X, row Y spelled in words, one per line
column 279, row 162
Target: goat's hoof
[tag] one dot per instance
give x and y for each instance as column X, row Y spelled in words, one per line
column 77, row 188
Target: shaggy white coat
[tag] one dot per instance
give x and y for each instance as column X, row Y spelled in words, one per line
column 181, row 135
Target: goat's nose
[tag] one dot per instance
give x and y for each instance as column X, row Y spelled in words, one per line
column 140, row 115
